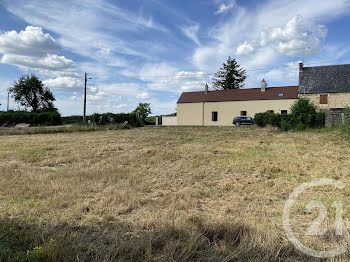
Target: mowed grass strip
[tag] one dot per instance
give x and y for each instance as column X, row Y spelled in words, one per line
column 162, row 194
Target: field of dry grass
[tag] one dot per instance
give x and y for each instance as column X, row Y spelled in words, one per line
column 164, row 194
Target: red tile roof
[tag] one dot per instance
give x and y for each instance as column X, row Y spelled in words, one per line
column 248, row 94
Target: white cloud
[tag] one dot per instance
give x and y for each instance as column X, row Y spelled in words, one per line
column 296, row 38
column 49, row 62
column 268, row 32
column 30, row 42
column 99, row 37
column 191, row 32
column 143, row 95
column 163, row 77
column 245, row 49
column 32, row 49
column 224, row 7
column 63, row 83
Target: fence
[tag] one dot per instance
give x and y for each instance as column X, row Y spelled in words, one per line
column 335, row 117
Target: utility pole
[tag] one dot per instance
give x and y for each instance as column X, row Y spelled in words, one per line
column 84, row 117
column 8, row 100
column 86, row 79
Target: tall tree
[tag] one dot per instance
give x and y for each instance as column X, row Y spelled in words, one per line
column 230, row 76
column 29, row 91
column 143, row 110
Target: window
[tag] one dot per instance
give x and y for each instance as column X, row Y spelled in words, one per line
column 323, row 99
column 280, row 94
column 243, row 113
column 284, row 112
column 214, row 116
column 271, row 111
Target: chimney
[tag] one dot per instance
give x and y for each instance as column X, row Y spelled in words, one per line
column 301, row 67
column 263, row 86
column 206, row 88
column 301, row 72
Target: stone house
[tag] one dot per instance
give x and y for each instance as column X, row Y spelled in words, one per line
column 328, row 87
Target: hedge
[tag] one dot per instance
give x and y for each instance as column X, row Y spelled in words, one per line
column 67, row 120
column 110, row 118
column 17, row 117
column 290, row 121
column 303, row 115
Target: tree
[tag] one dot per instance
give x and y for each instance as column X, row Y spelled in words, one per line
column 230, row 76
column 29, row 91
column 143, row 110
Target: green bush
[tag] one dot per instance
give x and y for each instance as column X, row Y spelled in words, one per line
column 150, row 121
column 303, row 115
column 110, row 118
column 346, row 126
column 263, row 119
column 275, row 120
column 286, row 122
column 72, row 119
column 17, row 117
column 320, row 119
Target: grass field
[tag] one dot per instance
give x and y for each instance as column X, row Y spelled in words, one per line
column 165, row 194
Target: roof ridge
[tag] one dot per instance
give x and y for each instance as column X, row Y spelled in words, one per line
column 326, row 66
column 239, row 89
column 246, row 94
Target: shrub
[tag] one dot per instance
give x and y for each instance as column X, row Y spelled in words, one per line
column 275, row 120
column 150, row 121
column 303, row 115
column 346, row 126
column 263, row 119
column 320, row 119
column 44, row 118
column 286, row 122
column 109, row 118
column 72, row 119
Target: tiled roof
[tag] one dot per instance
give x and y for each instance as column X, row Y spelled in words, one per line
column 325, row 79
column 248, row 94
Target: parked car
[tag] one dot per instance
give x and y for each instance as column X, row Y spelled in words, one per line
column 243, row 120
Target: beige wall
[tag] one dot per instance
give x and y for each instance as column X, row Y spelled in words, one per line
column 191, row 113
column 169, row 120
column 335, row 100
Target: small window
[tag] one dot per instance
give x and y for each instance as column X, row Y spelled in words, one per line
column 243, row 113
column 214, row 116
column 280, row 94
column 323, row 99
column 284, row 112
column 271, row 111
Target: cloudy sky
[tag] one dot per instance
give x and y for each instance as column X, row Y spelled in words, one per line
column 152, row 50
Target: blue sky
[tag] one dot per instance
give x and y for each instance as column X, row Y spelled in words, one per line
column 152, row 50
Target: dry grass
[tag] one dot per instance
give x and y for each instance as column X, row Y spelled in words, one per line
column 13, row 131
column 163, row 194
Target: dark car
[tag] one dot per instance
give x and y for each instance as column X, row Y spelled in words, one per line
column 243, row 120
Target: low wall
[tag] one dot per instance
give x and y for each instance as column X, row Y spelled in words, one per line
column 166, row 121
column 169, row 121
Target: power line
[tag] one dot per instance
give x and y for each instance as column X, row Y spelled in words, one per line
column 202, row 74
